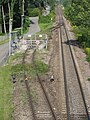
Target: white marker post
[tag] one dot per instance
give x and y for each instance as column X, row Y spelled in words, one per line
column 10, row 30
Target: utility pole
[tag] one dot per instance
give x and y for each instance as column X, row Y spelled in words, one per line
column 22, row 18
column 0, row 18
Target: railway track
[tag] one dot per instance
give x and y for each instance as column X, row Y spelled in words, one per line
column 75, row 100
column 41, row 108
column 22, row 109
column 44, row 110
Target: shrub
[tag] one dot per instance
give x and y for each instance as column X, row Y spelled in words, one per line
column 87, row 51
column 26, row 23
column 33, row 12
column 88, row 79
column 88, row 58
column 47, row 19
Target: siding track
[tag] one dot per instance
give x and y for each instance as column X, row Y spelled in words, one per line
column 45, row 111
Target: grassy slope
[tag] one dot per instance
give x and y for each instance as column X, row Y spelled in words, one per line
column 6, row 89
column 5, row 93
column 45, row 27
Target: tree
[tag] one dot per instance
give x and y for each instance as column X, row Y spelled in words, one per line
column 79, row 14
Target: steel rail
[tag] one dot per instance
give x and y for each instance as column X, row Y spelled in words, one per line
column 44, row 91
column 78, row 76
column 80, row 85
column 30, row 100
column 28, row 87
column 64, row 69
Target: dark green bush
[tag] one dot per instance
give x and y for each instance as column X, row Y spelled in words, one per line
column 79, row 14
column 33, row 12
column 88, row 58
column 26, row 23
column 87, row 51
column 45, row 19
column 41, row 67
column 88, row 79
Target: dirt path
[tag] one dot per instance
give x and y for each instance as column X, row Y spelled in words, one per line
column 34, row 27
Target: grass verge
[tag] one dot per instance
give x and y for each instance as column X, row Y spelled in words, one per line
column 4, row 41
column 45, row 28
column 6, row 106
column 6, row 89
column 46, row 23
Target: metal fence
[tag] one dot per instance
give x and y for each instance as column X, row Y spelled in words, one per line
column 37, row 40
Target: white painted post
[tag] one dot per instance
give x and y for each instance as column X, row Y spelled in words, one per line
column 10, row 30
column 22, row 18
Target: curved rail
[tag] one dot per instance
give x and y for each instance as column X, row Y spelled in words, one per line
column 44, row 91
column 28, row 88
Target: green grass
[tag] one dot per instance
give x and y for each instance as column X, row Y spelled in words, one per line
column 17, row 56
column 4, row 41
column 18, row 68
column 1, row 34
column 6, row 89
column 41, row 67
column 45, row 27
column 6, row 105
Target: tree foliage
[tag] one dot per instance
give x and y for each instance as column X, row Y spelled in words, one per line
column 16, row 10
column 79, row 13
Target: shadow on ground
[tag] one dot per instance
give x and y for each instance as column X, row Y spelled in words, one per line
column 73, row 43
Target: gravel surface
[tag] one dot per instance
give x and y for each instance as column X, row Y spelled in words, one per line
column 84, row 66
column 76, row 102
column 22, row 110
column 40, row 103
